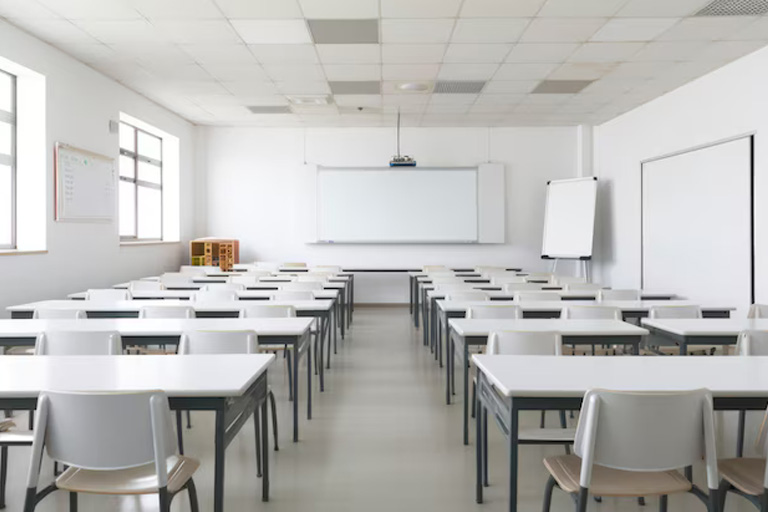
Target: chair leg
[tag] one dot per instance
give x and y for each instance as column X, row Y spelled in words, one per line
column 72, row 502
column 582, row 500
column 192, row 491
column 663, row 503
column 641, row 501
column 290, row 374
column 271, row 396
column 164, row 499
column 474, row 395
column 542, row 423
column 564, row 424
column 3, row 473
column 189, row 420
column 548, row 494
column 257, row 429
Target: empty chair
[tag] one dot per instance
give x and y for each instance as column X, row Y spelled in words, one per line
column 748, row 476
column 515, row 287
column 313, row 278
column 112, row 443
column 256, row 273
column 758, row 311
column 194, row 270
column 468, row 296
column 301, row 286
column 542, row 278
column 439, row 280
column 500, row 311
column 673, row 311
column 267, row 311
column 619, row 452
column 539, row 295
column 435, row 268
column 582, row 287
column 524, row 343
column 332, row 269
column 244, row 280
column 59, row 314
column 293, row 295
column 501, row 280
column 107, row 294
column 591, row 313
column 752, row 343
column 78, row 343
column 267, row 265
column 293, row 264
column 217, row 287
column 245, row 267
column 564, row 280
column 454, row 286
column 214, row 296
column 177, row 280
column 145, row 285
column 605, row 295
column 167, row 312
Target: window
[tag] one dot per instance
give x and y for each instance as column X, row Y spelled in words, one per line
column 141, row 184
column 7, row 161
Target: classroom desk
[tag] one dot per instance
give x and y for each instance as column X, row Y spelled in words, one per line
column 702, row 331
column 463, row 333
column 510, row 384
column 143, row 332
column 232, row 386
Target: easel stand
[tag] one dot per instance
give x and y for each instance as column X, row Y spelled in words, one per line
column 586, row 266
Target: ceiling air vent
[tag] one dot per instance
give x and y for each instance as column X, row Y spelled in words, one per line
column 458, row 87
column 269, row 109
column 735, row 8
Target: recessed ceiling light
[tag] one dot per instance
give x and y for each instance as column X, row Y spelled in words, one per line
column 413, row 87
column 309, row 100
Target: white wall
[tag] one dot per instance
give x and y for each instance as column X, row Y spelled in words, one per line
column 253, row 173
column 80, row 104
column 723, row 104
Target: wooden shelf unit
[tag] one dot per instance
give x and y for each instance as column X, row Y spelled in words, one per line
column 220, row 252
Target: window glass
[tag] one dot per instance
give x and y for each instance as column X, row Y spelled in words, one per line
column 149, row 172
column 6, row 139
column 127, row 166
column 127, row 140
column 6, row 205
column 127, row 205
column 150, row 212
column 6, row 92
column 149, row 146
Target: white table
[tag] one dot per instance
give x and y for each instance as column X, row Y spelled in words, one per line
column 143, row 332
column 510, row 384
column 232, row 386
column 463, row 333
column 702, row 331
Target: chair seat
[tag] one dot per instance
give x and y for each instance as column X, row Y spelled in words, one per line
column 744, row 474
column 566, row 470
column 138, row 480
column 548, row 435
column 16, row 437
column 20, row 351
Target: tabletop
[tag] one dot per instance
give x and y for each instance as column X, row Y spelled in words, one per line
column 469, row 327
column 185, row 294
column 553, row 305
column 187, row 376
column 567, row 376
column 707, row 326
column 135, row 305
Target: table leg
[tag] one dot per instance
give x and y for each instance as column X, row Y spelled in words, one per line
column 342, row 307
column 410, row 294
column 478, row 447
column 513, row 446
column 309, row 380
column 440, row 337
column 465, row 404
column 264, row 451
column 425, row 317
column 326, row 327
column 179, row 433
column 296, row 355
column 448, row 361
column 740, row 438
column 334, row 326
column 416, row 303
column 220, row 447
column 320, row 359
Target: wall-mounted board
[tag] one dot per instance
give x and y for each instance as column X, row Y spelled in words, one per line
column 85, row 185
column 569, row 218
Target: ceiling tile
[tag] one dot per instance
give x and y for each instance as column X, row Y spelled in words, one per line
column 250, row 87
column 358, row 100
column 285, row 53
column 294, row 72
column 483, row 108
column 452, row 99
column 670, row 51
column 420, row 8
column 565, row 30
column 510, row 86
column 260, row 9
column 191, row 72
column 402, row 99
column 237, row 72
column 757, row 30
column 706, row 29
column 90, row 53
column 197, row 31
column 433, row 108
column 541, row 52
column 340, row 9
column 605, row 52
column 476, row 52
column 56, row 31
column 355, row 87
column 90, row 10
column 344, row 31
column 661, row 8
column 13, row 9
column 132, row 31
column 527, row 71
column 414, row 72
column 581, row 71
column 634, row 29
column 728, row 50
column 412, row 53
column 347, row 72
column 349, row 53
column 499, row 99
column 639, row 69
column 500, row 30
column 177, row 9
column 554, row 98
column 300, row 87
column 416, row 31
column 272, row 31
column 500, row 8
column 467, row 71
column 580, row 8
column 219, row 53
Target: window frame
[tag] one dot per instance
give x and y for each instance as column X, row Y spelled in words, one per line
column 11, row 118
column 136, row 182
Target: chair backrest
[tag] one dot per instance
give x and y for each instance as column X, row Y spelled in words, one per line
column 332, row 269
column 59, row 314
column 218, row 287
column 167, row 312
column 591, row 313
column 78, row 343
column 539, row 278
column 539, row 295
column 502, row 280
column 145, row 285
column 501, row 311
column 192, row 270
column 517, row 287
column 214, row 295
column 524, row 343
column 563, row 280
column 644, row 431
column 312, row 278
column 293, row 295
column 454, row 287
column 435, row 268
column 218, row 342
column 245, row 280
column 752, row 343
column 176, row 280
column 446, row 280
column 267, row 311
column 104, row 431
column 293, row 264
column 468, row 296
column 672, row 311
column 108, row 294
column 301, row 286
column 758, row 311
column 582, row 286
column 604, row 295
column 256, row 272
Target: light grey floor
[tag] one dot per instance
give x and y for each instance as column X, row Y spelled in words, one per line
column 382, row 439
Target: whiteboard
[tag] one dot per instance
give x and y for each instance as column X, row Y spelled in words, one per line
column 569, row 218
column 85, row 185
column 397, row 205
column 696, row 215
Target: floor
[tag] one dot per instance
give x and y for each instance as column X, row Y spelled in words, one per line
column 382, row 439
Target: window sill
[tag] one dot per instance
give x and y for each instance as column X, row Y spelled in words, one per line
column 142, row 242
column 20, row 252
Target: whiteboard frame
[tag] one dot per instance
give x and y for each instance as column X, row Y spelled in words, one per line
column 546, row 214
column 58, row 217
column 747, row 135
column 476, row 241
